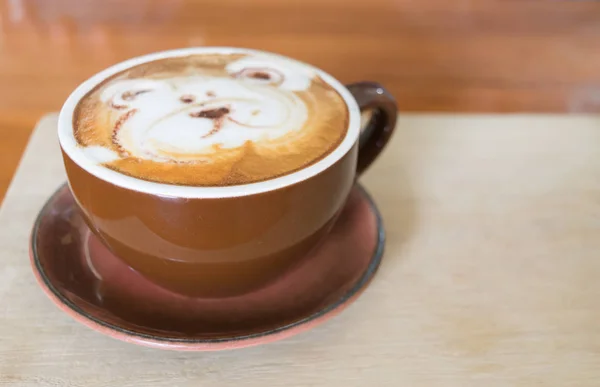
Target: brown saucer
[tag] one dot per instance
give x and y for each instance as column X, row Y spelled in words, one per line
column 97, row 289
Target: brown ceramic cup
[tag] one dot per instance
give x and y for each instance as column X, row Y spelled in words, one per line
column 223, row 241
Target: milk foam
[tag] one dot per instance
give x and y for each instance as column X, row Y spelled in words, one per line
column 188, row 118
column 103, row 130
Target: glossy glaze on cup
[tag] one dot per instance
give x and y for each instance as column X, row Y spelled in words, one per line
column 213, row 246
column 195, row 241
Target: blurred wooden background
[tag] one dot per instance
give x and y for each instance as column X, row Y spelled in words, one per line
column 434, row 55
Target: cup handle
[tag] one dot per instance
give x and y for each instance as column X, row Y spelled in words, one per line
column 377, row 132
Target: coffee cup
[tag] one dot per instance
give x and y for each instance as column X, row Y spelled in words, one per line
column 213, row 171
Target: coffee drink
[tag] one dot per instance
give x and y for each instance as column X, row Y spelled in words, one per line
column 213, row 170
column 211, row 119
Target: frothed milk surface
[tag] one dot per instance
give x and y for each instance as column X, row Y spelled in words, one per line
column 211, row 119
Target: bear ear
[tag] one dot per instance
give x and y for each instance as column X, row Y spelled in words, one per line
column 260, row 75
column 123, row 93
column 287, row 74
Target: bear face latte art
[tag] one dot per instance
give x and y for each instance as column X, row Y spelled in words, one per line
column 211, row 120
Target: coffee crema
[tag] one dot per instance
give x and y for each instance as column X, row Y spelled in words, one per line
column 211, row 119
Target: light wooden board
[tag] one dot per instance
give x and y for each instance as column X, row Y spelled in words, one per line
column 491, row 274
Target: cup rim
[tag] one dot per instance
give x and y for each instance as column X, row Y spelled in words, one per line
column 74, row 151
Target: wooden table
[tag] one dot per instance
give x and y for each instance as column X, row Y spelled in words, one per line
column 489, row 277
column 435, row 55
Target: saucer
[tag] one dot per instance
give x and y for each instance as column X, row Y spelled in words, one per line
column 89, row 283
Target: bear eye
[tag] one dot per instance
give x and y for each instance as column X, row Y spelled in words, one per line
column 187, row 98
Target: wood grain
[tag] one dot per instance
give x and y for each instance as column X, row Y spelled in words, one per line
column 436, row 55
column 489, row 278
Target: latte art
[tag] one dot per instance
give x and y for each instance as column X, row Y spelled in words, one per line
column 211, row 120
column 186, row 119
